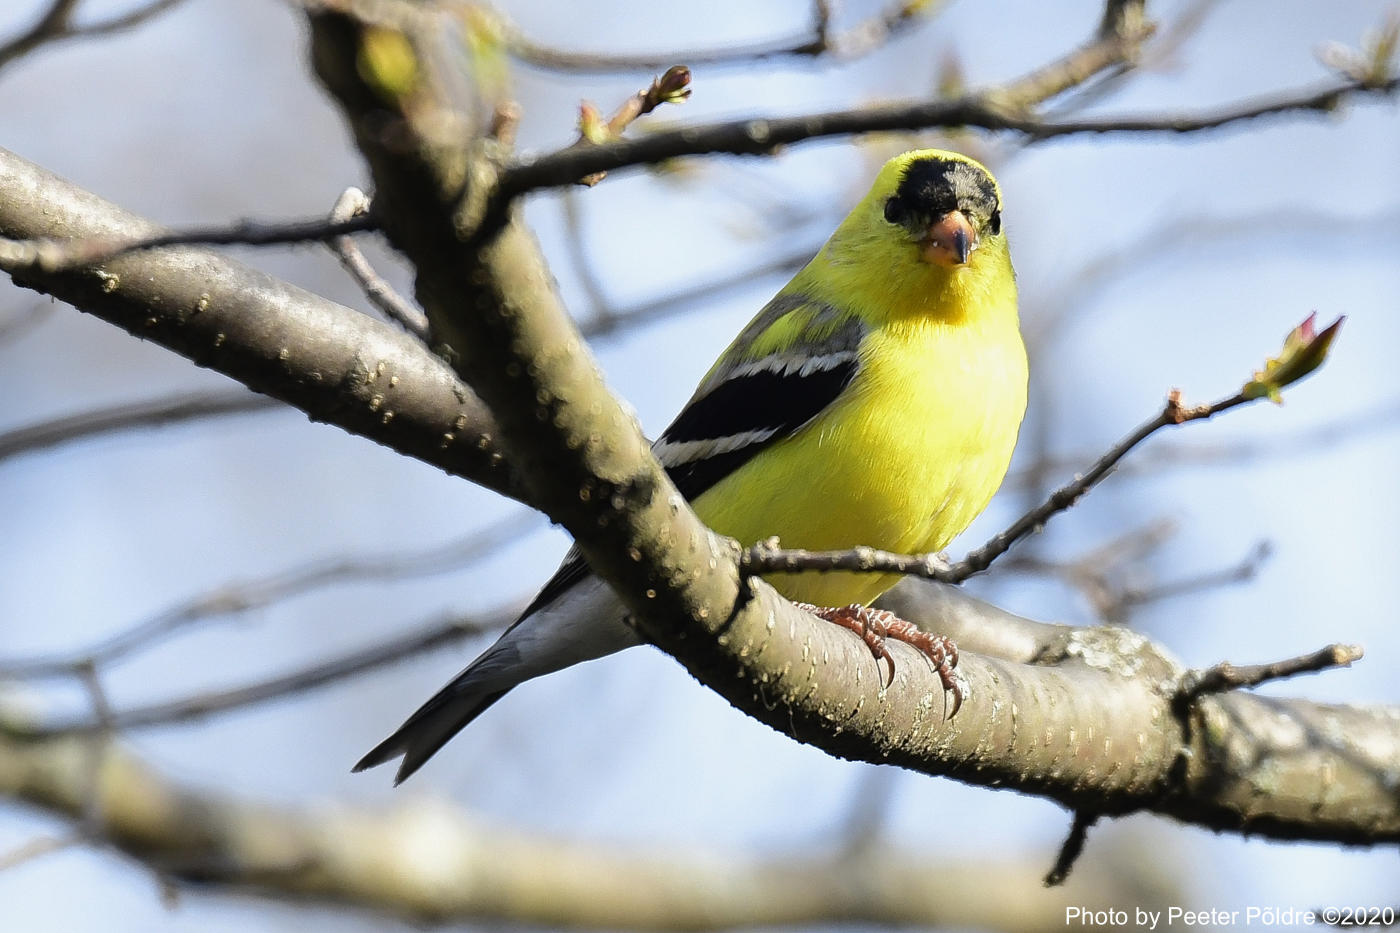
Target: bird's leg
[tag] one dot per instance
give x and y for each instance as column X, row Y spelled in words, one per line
column 874, row 626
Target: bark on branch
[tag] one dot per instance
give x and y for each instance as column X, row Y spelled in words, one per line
column 337, row 365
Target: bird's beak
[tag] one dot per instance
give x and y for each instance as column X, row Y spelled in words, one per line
column 949, row 241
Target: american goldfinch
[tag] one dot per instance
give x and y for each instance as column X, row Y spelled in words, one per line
column 874, row 401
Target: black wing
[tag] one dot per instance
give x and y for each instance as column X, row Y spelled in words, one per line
column 720, row 431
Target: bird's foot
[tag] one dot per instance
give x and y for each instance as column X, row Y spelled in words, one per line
column 874, row 626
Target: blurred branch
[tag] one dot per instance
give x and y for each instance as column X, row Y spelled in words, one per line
column 618, row 318
column 126, row 417
column 370, row 858
column 1152, row 55
column 355, row 203
column 1094, row 575
column 817, row 42
column 39, row 847
column 56, row 24
column 313, row 676
column 55, row 255
column 245, row 596
column 1117, row 42
column 1242, row 571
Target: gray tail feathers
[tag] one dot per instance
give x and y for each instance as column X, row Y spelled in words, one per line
column 429, row 729
column 582, row 623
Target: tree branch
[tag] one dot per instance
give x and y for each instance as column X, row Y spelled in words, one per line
column 310, row 677
column 335, row 364
column 373, row 859
column 818, row 42
column 248, row 595
column 55, row 24
column 355, row 203
column 764, row 135
column 149, row 414
column 1090, row 724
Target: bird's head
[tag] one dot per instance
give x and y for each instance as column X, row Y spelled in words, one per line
column 944, row 206
column 926, row 241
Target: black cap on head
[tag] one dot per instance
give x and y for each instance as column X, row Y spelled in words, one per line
column 932, row 187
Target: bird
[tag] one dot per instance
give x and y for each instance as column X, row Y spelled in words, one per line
column 874, row 401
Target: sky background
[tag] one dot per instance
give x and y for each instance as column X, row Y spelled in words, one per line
column 1227, row 240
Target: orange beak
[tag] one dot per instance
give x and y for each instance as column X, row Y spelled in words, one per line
column 950, row 240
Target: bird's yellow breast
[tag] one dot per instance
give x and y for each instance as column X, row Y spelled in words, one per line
column 911, row 452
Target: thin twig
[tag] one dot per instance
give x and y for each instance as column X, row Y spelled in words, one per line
column 121, row 21
column 1242, row 571
column 1173, row 413
column 38, row 847
column 355, row 203
column 768, row 557
column 672, row 87
column 320, row 674
column 1153, row 55
column 245, row 596
column 1092, row 573
column 51, row 25
column 1323, row 437
column 50, row 255
column 1225, row 676
column 55, row 24
column 1071, row 849
column 762, row 136
column 149, row 414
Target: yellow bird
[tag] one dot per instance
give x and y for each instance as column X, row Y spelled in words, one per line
column 874, row 401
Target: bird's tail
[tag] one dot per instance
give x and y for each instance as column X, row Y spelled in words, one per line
column 450, row 711
column 581, row 624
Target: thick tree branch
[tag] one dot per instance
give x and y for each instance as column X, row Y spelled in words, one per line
column 335, row 364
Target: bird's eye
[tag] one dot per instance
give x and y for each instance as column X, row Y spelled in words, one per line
column 994, row 224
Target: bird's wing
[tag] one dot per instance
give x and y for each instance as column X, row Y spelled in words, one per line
column 746, row 404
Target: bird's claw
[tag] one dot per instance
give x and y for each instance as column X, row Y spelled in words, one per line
column 875, row 626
